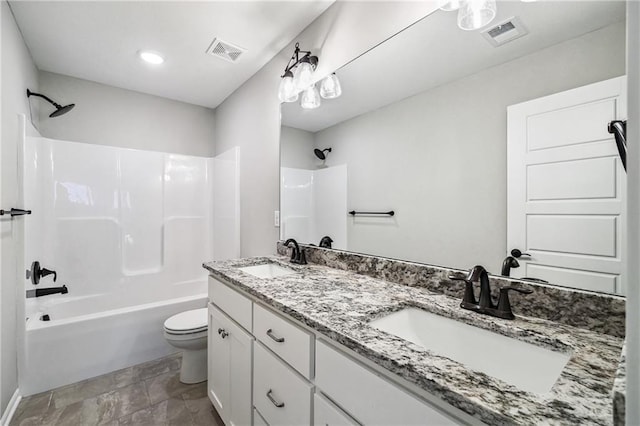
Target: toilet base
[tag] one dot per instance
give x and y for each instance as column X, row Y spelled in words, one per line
column 194, row 366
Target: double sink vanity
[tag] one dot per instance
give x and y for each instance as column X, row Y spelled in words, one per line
column 355, row 339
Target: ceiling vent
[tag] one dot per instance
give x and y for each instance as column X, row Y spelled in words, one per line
column 227, row 51
column 506, row 31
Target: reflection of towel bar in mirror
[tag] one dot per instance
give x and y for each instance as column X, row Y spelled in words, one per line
column 389, row 213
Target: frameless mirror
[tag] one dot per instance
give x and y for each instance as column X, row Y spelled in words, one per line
column 422, row 130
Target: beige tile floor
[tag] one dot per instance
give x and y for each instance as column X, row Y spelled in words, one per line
column 145, row 394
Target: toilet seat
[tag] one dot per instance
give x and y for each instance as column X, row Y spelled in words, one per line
column 188, row 322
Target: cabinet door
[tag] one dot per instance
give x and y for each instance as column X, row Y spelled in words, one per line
column 218, row 358
column 230, row 369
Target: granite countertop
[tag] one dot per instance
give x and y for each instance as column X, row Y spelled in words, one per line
column 340, row 305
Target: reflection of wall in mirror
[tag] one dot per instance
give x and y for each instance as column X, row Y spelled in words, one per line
column 439, row 157
column 314, row 204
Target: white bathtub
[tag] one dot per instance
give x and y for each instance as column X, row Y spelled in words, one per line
column 93, row 335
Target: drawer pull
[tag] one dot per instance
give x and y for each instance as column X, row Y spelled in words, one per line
column 223, row 333
column 277, row 339
column 273, row 401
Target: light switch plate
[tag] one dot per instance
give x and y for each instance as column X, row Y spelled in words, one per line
column 276, row 218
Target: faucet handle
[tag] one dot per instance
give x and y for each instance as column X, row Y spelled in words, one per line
column 504, row 305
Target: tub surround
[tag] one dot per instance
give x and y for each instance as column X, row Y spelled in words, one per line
column 340, row 304
column 599, row 312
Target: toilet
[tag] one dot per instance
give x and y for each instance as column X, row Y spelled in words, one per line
column 188, row 331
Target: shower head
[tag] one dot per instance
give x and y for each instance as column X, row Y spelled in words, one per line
column 59, row 108
column 320, row 153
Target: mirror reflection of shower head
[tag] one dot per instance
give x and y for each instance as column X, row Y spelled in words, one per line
column 59, row 108
column 321, row 153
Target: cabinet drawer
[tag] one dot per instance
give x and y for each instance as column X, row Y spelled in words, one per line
column 234, row 304
column 279, row 394
column 327, row 414
column 368, row 397
column 290, row 342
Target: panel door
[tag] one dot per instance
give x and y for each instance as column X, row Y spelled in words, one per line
column 566, row 187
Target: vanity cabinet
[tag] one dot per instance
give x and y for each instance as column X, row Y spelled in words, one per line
column 287, row 374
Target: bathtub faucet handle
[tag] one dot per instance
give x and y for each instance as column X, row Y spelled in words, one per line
column 36, row 272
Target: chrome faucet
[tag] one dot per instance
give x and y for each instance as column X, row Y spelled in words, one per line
column 485, row 304
column 297, row 254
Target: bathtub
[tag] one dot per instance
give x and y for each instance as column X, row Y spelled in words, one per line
column 92, row 335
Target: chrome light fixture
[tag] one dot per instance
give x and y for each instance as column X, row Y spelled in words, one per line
column 298, row 75
column 330, row 87
column 474, row 14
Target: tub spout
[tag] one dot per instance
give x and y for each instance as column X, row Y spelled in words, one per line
column 47, row 291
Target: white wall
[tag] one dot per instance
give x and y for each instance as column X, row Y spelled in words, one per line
column 18, row 74
column 439, row 158
column 109, row 115
column 296, row 149
column 250, row 117
column 633, row 191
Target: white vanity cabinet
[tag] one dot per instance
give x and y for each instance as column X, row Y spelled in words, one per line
column 230, row 354
column 287, row 375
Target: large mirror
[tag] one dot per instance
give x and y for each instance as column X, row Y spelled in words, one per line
column 422, row 129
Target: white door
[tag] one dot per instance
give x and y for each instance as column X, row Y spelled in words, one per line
column 566, row 187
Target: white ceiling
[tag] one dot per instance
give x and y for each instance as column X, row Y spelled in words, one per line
column 435, row 51
column 99, row 41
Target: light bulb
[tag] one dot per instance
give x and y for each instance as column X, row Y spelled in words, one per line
column 450, row 5
column 310, row 98
column 287, row 91
column 330, row 87
column 474, row 14
column 302, row 77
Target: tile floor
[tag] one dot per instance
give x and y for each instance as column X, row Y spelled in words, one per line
column 145, row 394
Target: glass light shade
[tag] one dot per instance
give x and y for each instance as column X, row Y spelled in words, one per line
column 474, row 14
column 330, row 87
column 310, row 98
column 449, row 5
column 302, row 76
column 287, row 91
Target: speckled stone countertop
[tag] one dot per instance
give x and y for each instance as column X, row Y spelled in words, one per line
column 340, row 304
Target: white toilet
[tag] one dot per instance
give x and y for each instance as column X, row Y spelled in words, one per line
column 188, row 331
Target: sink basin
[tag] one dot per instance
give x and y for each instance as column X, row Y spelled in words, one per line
column 528, row 367
column 267, row 270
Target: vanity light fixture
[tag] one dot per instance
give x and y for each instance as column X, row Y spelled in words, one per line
column 472, row 14
column 450, row 5
column 150, row 57
column 330, row 87
column 298, row 74
column 310, row 98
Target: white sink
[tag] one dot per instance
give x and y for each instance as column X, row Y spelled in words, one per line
column 528, row 367
column 267, row 270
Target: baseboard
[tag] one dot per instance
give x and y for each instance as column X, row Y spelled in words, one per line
column 11, row 408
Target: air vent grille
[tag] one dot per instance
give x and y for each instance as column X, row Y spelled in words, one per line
column 506, row 31
column 227, row 51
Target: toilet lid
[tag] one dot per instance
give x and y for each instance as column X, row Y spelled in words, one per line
column 188, row 321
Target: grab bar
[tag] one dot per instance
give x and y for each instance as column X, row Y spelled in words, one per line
column 14, row 212
column 389, row 213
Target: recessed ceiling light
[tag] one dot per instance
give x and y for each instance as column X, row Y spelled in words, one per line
column 151, row 57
